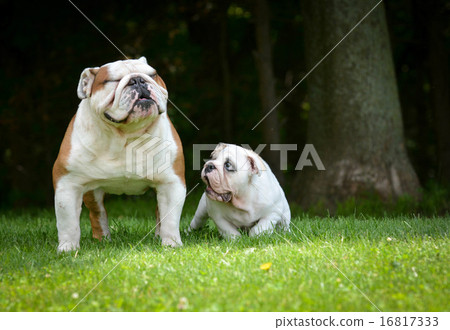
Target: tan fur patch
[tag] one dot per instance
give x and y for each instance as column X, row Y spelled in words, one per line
column 102, row 75
column 160, row 81
column 59, row 168
column 94, row 214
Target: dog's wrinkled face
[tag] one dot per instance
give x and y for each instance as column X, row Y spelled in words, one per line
column 124, row 93
column 228, row 172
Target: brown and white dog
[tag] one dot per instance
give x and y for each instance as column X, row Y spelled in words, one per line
column 120, row 102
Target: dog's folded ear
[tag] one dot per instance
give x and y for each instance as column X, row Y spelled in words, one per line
column 86, row 81
column 257, row 165
column 254, row 169
column 218, row 149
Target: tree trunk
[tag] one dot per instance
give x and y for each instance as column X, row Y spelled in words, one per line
column 263, row 57
column 355, row 121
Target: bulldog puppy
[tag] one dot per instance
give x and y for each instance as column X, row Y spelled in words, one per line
column 121, row 124
column 241, row 193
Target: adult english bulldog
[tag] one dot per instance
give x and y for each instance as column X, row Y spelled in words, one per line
column 119, row 125
column 241, row 193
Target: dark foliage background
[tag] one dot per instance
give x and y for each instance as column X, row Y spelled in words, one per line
column 45, row 47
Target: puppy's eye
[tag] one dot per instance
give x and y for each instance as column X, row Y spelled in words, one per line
column 228, row 166
column 110, row 81
column 153, row 76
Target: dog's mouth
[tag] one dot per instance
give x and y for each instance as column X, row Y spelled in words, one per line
column 226, row 197
column 143, row 102
column 140, row 107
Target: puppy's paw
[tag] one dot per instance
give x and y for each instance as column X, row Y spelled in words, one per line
column 258, row 231
column 230, row 236
column 170, row 241
column 284, row 229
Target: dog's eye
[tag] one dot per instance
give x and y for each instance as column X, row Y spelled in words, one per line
column 110, row 81
column 153, row 76
column 228, row 166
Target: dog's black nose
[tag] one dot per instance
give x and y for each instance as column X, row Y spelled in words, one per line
column 140, row 85
column 136, row 81
column 209, row 167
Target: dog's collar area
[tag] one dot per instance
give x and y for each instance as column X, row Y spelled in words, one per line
column 107, row 116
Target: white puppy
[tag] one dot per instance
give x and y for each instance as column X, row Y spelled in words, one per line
column 241, row 193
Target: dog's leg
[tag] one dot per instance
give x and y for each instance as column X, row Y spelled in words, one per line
column 170, row 198
column 67, row 208
column 158, row 222
column 97, row 214
column 285, row 219
column 201, row 215
column 226, row 229
column 265, row 225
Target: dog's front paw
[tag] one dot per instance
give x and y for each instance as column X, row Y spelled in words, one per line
column 230, row 236
column 68, row 246
column 259, row 231
column 171, row 241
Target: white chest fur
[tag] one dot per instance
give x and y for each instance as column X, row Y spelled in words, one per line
column 99, row 157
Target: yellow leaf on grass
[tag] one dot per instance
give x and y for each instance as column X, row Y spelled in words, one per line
column 266, row 266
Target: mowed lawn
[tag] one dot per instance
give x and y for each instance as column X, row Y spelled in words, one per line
column 325, row 264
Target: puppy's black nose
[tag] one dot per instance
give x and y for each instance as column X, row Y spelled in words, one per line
column 209, row 167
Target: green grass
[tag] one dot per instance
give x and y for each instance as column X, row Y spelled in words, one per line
column 401, row 263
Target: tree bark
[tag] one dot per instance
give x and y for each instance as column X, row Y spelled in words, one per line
column 355, row 121
column 263, row 58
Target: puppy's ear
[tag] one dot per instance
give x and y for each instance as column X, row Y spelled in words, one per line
column 86, row 81
column 218, row 149
column 254, row 169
